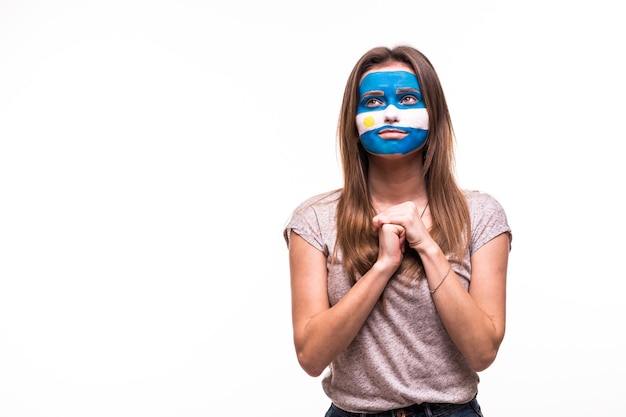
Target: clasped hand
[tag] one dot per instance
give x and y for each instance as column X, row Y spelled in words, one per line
column 398, row 224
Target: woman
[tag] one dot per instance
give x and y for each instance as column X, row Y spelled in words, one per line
column 398, row 279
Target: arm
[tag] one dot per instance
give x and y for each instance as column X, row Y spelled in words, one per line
column 320, row 331
column 475, row 321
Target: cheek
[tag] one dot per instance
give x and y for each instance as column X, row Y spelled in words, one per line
column 368, row 120
column 415, row 118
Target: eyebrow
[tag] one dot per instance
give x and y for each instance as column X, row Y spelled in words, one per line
column 398, row 91
column 408, row 90
column 373, row 93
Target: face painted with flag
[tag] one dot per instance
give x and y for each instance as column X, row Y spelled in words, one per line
column 391, row 116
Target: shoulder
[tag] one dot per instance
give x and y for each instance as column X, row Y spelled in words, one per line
column 320, row 205
column 327, row 199
column 480, row 201
column 314, row 219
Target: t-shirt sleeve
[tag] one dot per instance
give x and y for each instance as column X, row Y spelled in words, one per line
column 488, row 220
column 304, row 222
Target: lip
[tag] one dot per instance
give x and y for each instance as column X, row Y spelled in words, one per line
column 392, row 134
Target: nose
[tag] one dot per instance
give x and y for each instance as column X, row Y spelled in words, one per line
column 391, row 114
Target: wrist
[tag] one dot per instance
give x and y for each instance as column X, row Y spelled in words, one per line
column 385, row 267
column 426, row 248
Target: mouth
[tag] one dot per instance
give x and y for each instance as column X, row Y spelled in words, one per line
column 392, row 134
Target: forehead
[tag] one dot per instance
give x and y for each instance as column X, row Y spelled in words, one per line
column 390, row 66
column 388, row 82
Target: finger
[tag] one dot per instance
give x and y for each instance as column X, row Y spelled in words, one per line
column 379, row 220
column 402, row 237
column 376, row 223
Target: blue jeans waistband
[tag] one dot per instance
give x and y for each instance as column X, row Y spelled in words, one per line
column 416, row 410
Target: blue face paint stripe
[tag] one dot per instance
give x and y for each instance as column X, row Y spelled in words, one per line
column 413, row 141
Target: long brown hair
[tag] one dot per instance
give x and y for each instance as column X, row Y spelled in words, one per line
column 448, row 207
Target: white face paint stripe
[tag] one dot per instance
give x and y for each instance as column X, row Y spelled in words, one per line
column 415, row 118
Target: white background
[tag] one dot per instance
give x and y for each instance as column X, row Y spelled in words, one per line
column 151, row 152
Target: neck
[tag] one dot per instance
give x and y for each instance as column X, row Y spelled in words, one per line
column 396, row 180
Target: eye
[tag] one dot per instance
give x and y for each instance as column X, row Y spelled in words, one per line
column 409, row 100
column 373, row 102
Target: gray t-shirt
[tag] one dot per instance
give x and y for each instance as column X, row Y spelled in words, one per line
column 402, row 355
